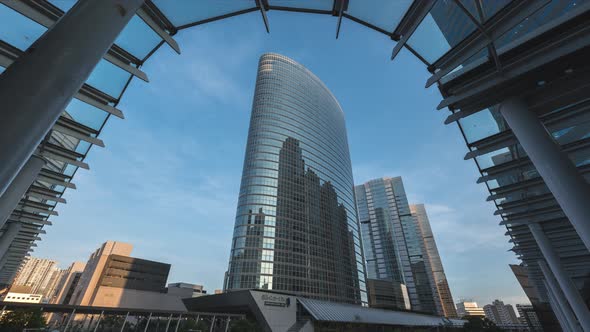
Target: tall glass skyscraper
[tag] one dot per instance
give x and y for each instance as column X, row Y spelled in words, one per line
column 296, row 227
column 437, row 272
column 395, row 248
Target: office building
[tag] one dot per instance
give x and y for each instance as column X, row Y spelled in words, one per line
column 500, row 313
column 467, row 308
column 511, row 73
column 296, row 226
column 67, row 283
column 111, row 278
column 393, row 244
column 387, row 294
column 185, row 290
column 438, row 277
column 528, row 316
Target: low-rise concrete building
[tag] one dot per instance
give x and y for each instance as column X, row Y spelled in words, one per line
column 282, row 312
column 112, row 278
column 185, row 290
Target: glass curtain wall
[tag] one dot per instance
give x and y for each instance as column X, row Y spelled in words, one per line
column 296, row 226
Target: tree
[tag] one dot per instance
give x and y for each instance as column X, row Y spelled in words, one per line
column 21, row 318
column 477, row 324
column 193, row 325
column 244, row 325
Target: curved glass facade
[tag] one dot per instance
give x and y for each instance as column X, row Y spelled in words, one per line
column 296, row 225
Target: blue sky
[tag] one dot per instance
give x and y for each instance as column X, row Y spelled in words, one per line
column 168, row 179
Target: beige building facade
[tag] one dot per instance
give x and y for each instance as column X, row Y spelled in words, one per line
column 112, row 278
column 88, row 284
column 67, row 283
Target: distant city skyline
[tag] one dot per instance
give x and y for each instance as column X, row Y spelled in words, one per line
column 203, row 178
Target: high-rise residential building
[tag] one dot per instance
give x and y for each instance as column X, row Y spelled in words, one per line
column 467, row 308
column 40, row 275
column 393, row 244
column 296, row 227
column 67, row 283
column 500, row 313
column 438, row 277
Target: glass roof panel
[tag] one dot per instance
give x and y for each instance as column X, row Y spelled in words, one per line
column 83, row 147
column 548, row 13
column 384, row 14
column 64, row 5
column 70, row 170
column 443, row 28
column 190, row 11
column 492, row 7
column 482, row 124
column 138, row 38
column 471, row 7
column 572, row 134
column 108, row 78
column 18, row 30
column 580, row 157
column 306, row 4
column 500, row 156
column 518, row 195
column 85, row 114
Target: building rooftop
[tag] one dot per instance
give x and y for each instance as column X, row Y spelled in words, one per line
column 348, row 313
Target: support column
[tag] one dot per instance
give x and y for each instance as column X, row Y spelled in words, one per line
column 147, row 323
column 98, row 321
column 12, row 230
column 178, row 323
column 565, row 283
column 19, row 186
column 212, row 324
column 37, row 87
column 72, row 315
column 168, row 323
column 559, row 173
column 561, row 307
column 125, row 322
column 557, row 311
